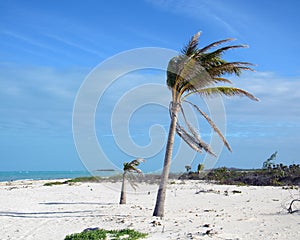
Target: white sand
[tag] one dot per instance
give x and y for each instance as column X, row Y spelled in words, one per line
column 29, row 210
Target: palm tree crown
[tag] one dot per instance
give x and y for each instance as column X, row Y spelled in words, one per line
column 132, row 166
column 198, row 71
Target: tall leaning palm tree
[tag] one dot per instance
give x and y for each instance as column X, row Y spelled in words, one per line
column 196, row 71
column 128, row 169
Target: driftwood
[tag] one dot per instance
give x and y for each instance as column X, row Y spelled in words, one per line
column 290, row 209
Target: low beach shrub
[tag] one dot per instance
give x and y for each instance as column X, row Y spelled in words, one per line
column 99, row 234
column 75, row 180
column 84, row 179
column 53, row 183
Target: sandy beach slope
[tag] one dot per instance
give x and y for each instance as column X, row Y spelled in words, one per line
column 195, row 210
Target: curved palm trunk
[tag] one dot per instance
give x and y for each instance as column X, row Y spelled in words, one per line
column 123, row 190
column 161, row 194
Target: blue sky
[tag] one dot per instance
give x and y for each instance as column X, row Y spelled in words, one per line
column 47, row 48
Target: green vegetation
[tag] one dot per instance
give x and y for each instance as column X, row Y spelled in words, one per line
column 84, row 179
column 99, row 234
column 53, row 183
column 273, row 175
column 75, row 180
column 276, row 175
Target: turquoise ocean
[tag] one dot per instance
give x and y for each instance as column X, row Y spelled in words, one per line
column 42, row 175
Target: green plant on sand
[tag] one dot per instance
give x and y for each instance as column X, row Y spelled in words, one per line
column 53, row 183
column 75, row 180
column 102, row 234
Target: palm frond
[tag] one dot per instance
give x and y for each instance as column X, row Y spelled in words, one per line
column 229, row 68
column 188, row 68
column 186, row 74
column 219, row 79
column 214, row 44
column 172, row 71
column 190, row 127
column 188, row 138
column 196, row 144
column 134, row 169
column 212, row 124
column 194, row 74
column 218, row 52
column 227, row 91
column 192, row 77
column 137, row 161
column 131, row 179
column 191, row 47
column 132, row 166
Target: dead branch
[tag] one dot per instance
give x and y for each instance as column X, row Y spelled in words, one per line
column 290, row 209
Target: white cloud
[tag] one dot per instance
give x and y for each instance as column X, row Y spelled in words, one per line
column 279, row 98
column 37, row 98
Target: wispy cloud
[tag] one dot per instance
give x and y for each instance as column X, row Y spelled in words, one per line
column 76, row 45
column 199, row 10
column 48, row 46
column 37, row 48
column 279, row 98
column 35, row 99
column 28, row 40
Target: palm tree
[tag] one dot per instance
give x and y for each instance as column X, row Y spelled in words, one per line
column 188, row 168
column 128, row 169
column 270, row 161
column 200, row 168
column 196, row 71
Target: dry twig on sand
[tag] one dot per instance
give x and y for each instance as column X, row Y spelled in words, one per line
column 290, row 209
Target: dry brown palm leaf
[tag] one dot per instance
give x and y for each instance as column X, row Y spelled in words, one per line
column 196, row 144
column 212, row 124
column 190, row 127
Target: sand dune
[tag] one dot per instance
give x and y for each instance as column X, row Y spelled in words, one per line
column 195, row 210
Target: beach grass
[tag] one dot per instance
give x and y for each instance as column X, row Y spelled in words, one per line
column 53, row 183
column 85, row 179
column 75, row 180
